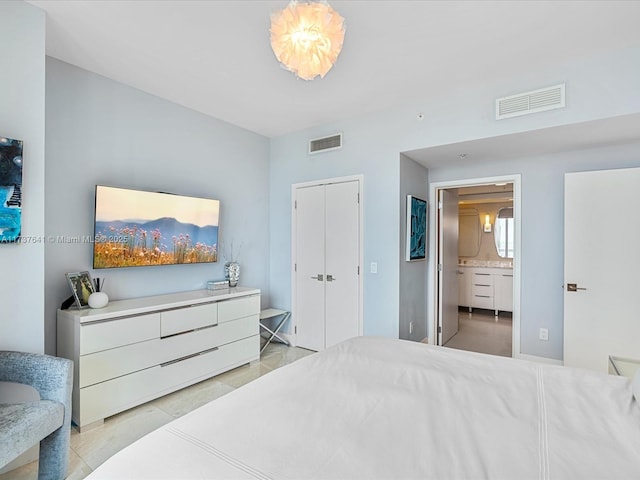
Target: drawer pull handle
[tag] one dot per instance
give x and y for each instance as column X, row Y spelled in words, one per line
column 187, row 357
column 189, row 331
column 182, row 307
column 481, row 285
column 483, row 296
column 487, row 274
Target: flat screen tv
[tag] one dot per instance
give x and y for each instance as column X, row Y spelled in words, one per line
column 135, row 228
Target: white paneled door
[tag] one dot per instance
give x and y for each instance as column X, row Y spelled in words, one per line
column 327, row 246
column 601, row 254
column 310, row 310
column 342, row 255
column 447, row 265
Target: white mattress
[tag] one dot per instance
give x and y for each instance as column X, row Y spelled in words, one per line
column 373, row 408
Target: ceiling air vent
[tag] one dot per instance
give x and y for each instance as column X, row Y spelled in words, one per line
column 531, row 102
column 325, row 144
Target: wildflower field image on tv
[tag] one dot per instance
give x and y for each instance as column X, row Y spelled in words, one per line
column 135, row 228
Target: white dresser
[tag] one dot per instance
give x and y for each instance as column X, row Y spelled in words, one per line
column 135, row 350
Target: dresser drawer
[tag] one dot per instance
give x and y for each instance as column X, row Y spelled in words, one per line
column 482, row 290
column 482, row 301
column 242, row 307
column 179, row 346
column 116, row 362
column 113, row 396
column 115, row 333
column 482, row 279
column 189, row 318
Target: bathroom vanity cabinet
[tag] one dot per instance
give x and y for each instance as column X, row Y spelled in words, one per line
column 490, row 288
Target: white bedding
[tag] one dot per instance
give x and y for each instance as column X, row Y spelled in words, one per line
column 375, row 408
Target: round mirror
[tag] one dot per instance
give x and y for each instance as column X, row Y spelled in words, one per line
column 503, row 232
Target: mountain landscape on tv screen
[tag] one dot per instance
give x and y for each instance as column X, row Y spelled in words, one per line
column 163, row 241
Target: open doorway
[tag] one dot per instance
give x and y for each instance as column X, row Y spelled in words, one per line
column 476, row 266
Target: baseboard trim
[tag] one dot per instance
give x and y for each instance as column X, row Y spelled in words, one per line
column 535, row 358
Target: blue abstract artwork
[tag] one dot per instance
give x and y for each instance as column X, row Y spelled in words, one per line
column 10, row 189
column 416, row 248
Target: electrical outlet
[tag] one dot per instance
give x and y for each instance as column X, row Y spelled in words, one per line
column 410, row 328
column 544, row 334
column 374, row 267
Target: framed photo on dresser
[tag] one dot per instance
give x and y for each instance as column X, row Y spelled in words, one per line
column 81, row 286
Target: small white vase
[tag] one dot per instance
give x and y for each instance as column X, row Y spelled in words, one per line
column 98, row 300
column 232, row 273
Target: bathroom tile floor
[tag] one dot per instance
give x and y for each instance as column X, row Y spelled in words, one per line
column 480, row 331
column 92, row 447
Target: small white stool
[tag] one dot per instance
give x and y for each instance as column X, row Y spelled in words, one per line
column 272, row 313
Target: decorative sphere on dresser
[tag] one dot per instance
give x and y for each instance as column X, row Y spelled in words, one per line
column 98, row 300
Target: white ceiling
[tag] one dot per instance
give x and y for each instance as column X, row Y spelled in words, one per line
column 577, row 136
column 215, row 57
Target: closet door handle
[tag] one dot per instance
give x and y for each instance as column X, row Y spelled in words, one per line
column 319, row 277
column 330, row 278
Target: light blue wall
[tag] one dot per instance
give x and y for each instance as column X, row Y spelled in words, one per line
column 103, row 132
column 599, row 87
column 22, row 80
column 291, row 164
column 99, row 131
column 414, row 179
column 542, row 202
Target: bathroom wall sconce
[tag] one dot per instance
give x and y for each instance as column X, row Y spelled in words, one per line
column 487, row 224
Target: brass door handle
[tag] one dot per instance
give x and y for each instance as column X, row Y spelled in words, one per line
column 573, row 287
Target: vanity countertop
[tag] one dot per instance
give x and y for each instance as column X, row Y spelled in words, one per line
column 486, row 263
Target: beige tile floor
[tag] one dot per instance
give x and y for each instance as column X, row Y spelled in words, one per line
column 480, row 331
column 91, row 448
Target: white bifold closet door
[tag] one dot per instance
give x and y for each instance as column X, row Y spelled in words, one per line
column 327, row 264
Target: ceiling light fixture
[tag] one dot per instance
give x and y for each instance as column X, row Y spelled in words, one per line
column 307, row 38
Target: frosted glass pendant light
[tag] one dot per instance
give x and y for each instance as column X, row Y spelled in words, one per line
column 307, row 38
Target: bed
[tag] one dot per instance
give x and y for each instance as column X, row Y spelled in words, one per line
column 373, row 408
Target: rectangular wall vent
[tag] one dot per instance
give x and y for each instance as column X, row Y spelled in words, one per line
column 325, row 144
column 531, row 102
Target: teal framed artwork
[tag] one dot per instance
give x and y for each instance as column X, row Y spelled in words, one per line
column 10, row 189
column 416, row 246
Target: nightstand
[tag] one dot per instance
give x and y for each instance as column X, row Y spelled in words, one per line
column 272, row 313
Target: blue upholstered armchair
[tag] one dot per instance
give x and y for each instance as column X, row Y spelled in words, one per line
column 48, row 421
